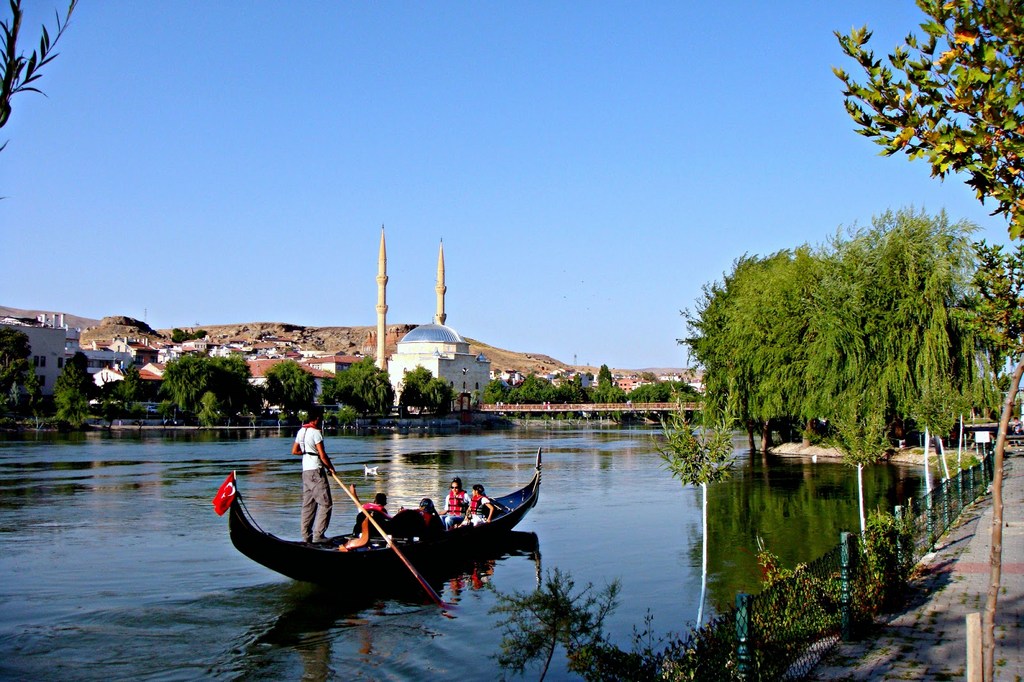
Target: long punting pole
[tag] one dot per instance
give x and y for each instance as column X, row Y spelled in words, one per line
column 387, row 538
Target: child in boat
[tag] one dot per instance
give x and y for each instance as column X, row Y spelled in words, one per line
column 481, row 508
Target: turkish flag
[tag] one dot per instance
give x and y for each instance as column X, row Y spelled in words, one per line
column 222, row 500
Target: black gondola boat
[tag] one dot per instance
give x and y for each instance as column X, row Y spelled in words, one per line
column 324, row 564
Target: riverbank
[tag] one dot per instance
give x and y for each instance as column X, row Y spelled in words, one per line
column 927, row 640
column 815, row 452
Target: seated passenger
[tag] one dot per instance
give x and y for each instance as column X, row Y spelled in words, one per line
column 421, row 523
column 363, row 530
column 481, row 508
column 431, row 519
column 377, row 511
column 455, row 505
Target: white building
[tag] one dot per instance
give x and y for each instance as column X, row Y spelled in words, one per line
column 51, row 343
column 445, row 354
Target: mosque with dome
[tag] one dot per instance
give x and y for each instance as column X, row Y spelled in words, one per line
column 435, row 347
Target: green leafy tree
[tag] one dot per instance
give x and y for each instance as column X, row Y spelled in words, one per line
column 663, row 392
column 937, row 412
column 290, row 386
column 496, row 392
column 1000, row 321
column 19, row 73
column 533, row 390
column 698, row 453
column 230, row 382
column 571, row 391
column 534, row 624
column 414, row 386
column 365, row 387
column 180, row 335
column 14, row 365
column 34, row 394
column 186, row 380
column 438, row 396
column 607, row 391
column 860, row 435
column 952, row 96
column 129, row 389
column 210, row 412
column 72, row 391
column 882, row 311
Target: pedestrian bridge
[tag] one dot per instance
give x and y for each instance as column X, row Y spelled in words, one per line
column 588, row 408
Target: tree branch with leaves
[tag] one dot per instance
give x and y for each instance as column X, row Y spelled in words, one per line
column 953, row 96
column 18, row 72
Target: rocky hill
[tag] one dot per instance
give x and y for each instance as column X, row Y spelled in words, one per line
column 344, row 340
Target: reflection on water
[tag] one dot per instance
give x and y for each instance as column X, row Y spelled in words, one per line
column 115, row 565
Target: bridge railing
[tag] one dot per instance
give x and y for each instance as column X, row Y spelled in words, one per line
column 589, row 407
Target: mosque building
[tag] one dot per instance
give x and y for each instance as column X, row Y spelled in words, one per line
column 435, row 347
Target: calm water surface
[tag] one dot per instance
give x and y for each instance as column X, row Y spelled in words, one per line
column 115, row 566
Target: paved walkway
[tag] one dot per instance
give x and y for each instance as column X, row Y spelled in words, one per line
column 928, row 640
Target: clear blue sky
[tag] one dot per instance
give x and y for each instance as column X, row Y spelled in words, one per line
column 589, row 165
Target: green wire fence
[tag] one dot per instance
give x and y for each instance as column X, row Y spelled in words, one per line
column 782, row 633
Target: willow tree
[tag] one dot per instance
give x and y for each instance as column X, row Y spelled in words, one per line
column 290, row 386
column 185, row 381
column 768, row 323
column 892, row 314
column 743, row 336
column 952, row 96
column 878, row 311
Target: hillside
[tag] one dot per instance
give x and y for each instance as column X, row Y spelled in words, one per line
column 344, row 340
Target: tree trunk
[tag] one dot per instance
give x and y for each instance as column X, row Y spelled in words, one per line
column 860, row 498
column 766, row 436
column 988, row 627
column 806, row 440
column 704, row 560
column 750, row 436
column 927, row 476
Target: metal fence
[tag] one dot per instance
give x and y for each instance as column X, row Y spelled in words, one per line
column 782, row 633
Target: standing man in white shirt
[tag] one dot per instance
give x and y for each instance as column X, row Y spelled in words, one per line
column 316, row 493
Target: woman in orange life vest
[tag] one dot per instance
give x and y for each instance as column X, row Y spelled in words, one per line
column 481, row 509
column 455, row 505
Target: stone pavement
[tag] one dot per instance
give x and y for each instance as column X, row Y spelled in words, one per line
column 928, row 640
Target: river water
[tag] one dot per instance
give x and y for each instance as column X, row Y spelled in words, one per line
column 114, row 564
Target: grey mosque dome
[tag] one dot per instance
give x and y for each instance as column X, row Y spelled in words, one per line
column 433, row 333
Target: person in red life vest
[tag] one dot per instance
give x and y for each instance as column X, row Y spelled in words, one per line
column 316, row 493
column 481, row 508
column 363, row 531
column 455, row 505
column 377, row 510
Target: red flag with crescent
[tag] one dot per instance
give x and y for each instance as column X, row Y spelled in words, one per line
column 222, row 500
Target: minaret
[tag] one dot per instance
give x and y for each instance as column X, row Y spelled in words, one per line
column 440, row 288
column 382, row 303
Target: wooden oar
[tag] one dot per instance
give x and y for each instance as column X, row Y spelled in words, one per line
column 392, row 545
